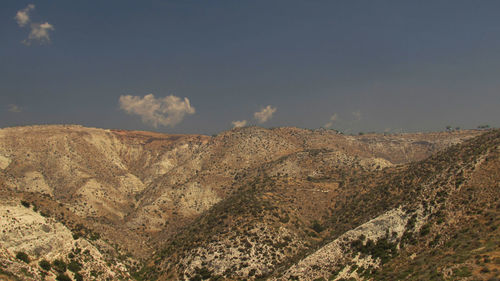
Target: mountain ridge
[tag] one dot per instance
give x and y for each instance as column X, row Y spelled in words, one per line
column 118, row 187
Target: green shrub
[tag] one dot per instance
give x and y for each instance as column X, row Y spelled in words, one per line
column 426, row 228
column 59, row 266
column 63, row 277
column 23, row 256
column 94, row 236
column 383, row 248
column 78, row 277
column 25, row 203
column 197, row 277
column 316, row 226
column 204, row 272
column 45, row 265
column 74, row 266
column 462, row 272
column 45, row 214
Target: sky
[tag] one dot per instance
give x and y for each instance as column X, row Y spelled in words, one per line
column 202, row 67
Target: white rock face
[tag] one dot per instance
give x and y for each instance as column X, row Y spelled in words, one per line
column 27, row 231
column 24, row 230
column 336, row 251
column 4, row 162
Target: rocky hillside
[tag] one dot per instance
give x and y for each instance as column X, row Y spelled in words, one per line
column 349, row 223
column 248, row 203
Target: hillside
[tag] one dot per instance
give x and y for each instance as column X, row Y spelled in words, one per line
column 248, row 203
column 343, row 224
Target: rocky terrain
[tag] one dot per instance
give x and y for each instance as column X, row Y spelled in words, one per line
column 249, row 203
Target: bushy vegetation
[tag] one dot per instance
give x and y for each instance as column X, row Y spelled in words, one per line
column 63, row 277
column 78, row 277
column 23, row 257
column 59, row 266
column 316, row 226
column 44, row 264
column 383, row 249
column 74, row 266
column 25, row 203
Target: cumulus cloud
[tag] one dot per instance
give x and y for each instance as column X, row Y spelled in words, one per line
column 23, row 16
column 14, row 108
column 39, row 32
column 265, row 114
column 239, row 124
column 167, row 111
column 333, row 119
column 357, row 115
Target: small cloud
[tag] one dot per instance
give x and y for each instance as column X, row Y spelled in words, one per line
column 265, row 114
column 357, row 115
column 333, row 119
column 167, row 111
column 39, row 32
column 239, row 124
column 23, row 16
column 14, row 108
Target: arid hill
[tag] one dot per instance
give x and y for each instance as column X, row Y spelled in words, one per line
column 249, row 203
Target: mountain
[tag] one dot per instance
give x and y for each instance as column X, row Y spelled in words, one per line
column 249, row 203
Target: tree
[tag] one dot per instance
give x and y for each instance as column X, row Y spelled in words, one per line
column 23, row 256
column 316, row 226
column 45, row 265
column 59, row 266
column 74, row 266
column 63, row 277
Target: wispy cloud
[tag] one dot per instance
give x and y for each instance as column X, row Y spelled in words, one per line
column 39, row 32
column 265, row 114
column 333, row 119
column 23, row 16
column 14, row 108
column 357, row 115
column 239, row 124
column 167, row 111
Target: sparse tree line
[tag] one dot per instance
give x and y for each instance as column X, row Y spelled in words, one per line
column 59, row 266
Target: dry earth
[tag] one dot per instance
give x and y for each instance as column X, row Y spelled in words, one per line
column 123, row 198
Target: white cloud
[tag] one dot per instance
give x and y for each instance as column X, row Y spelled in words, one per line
column 265, row 114
column 357, row 115
column 333, row 119
column 167, row 111
column 23, row 16
column 39, row 32
column 239, row 124
column 14, row 108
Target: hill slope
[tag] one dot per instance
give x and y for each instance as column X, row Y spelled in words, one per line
column 370, row 216
column 247, row 203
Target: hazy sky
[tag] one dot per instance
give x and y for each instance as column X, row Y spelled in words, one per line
column 206, row 66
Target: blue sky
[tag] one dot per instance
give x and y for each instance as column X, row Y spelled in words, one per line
column 351, row 65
